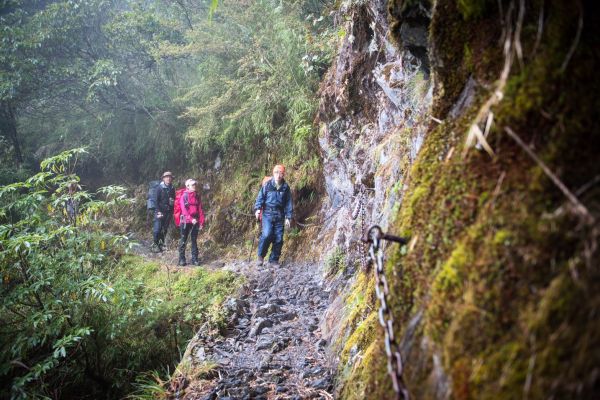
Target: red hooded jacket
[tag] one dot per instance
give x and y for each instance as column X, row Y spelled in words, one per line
column 193, row 209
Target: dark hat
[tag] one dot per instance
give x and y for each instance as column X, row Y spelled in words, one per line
column 167, row 173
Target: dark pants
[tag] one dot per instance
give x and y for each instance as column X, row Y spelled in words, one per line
column 160, row 227
column 185, row 230
column 272, row 232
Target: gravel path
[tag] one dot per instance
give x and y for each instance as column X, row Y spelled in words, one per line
column 273, row 347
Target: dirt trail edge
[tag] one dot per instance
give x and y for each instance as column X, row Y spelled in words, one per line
column 272, row 348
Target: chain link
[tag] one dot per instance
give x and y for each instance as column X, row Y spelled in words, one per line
column 360, row 209
column 374, row 236
column 359, row 204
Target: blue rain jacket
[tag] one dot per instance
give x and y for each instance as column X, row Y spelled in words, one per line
column 272, row 200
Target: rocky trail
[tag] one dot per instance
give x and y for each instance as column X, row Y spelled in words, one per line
column 272, row 348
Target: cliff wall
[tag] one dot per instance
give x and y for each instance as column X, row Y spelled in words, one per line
column 468, row 128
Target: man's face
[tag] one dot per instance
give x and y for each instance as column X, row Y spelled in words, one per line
column 278, row 175
column 167, row 180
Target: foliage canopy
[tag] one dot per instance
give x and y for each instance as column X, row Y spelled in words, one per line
column 138, row 82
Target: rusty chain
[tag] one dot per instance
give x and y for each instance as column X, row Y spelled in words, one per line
column 360, row 209
column 374, row 236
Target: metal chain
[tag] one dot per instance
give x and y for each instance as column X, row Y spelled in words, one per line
column 360, row 209
column 363, row 221
column 374, row 236
column 359, row 203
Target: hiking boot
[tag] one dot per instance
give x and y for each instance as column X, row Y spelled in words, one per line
column 155, row 248
column 182, row 262
column 195, row 262
column 260, row 261
column 274, row 264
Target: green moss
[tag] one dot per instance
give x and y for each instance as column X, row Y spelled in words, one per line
column 462, row 48
column 451, row 275
column 359, row 300
column 447, row 287
column 468, row 58
column 136, row 266
column 504, row 369
column 501, row 277
column 472, row 9
column 369, row 378
column 417, row 195
column 354, row 387
column 357, row 347
column 555, row 305
column 483, row 198
column 196, row 296
column 361, row 337
column 502, row 238
column 525, row 91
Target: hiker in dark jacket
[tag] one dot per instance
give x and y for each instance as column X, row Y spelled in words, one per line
column 163, row 213
column 192, row 220
column 72, row 204
column 275, row 201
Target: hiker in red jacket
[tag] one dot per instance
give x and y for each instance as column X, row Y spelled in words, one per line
column 192, row 220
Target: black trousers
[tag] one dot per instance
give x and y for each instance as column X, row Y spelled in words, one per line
column 185, row 230
column 160, row 227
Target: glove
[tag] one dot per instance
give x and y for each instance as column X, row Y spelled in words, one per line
column 287, row 223
column 257, row 214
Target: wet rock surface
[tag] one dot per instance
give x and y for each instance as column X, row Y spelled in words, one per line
column 372, row 116
column 272, row 348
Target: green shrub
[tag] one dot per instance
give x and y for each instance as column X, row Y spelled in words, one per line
column 76, row 314
column 335, row 261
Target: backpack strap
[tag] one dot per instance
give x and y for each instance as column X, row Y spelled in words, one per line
column 269, row 187
column 186, row 200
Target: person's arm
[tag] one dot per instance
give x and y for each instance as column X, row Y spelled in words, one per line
column 184, row 210
column 158, row 210
column 288, row 207
column 200, row 212
column 260, row 201
column 156, row 199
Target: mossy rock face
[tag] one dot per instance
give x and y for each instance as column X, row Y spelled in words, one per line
column 461, row 48
column 502, row 268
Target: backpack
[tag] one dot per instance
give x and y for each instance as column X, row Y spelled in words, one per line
column 177, row 208
column 152, row 195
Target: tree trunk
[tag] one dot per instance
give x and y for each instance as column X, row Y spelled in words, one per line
column 8, row 128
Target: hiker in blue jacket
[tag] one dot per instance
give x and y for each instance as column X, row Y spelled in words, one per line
column 274, row 200
column 163, row 213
